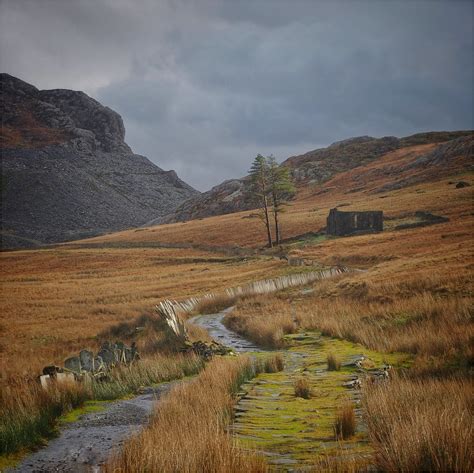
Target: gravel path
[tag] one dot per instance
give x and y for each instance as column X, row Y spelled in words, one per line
column 85, row 445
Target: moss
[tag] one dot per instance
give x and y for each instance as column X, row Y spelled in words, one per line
column 270, row 418
column 86, row 408
column 8, row 461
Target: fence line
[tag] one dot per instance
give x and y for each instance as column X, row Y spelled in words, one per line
column 169, row 310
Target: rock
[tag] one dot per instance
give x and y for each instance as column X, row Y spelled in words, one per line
column 45, row 381
column 65, row 378
column 462, row 184
column 108, row 354
column 87, row 360
column 73, row 364
column 52, row 370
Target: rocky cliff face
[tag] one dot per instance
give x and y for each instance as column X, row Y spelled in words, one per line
column 67, row 172
column 312, row 168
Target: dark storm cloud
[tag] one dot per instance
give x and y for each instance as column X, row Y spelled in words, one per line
column 204, row 86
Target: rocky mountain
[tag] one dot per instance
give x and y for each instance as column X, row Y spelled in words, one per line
column 67, row 172
column 317, row 167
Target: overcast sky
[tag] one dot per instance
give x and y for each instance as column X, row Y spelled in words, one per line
column 205, row 85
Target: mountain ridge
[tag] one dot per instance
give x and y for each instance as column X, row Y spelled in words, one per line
column 313, row 168
column 67, row 172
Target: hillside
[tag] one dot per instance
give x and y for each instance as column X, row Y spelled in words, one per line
column 67, row 172
column 313, row 168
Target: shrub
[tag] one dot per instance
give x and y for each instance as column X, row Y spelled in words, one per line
column 345, row 423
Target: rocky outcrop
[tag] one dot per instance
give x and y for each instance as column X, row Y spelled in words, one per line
column 312, row 168
column 321, row 165
column 67, row 172
column 230, row 196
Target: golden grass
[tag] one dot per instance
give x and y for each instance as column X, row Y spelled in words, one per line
column 188, row 432
column 274, row 363
column 431, row 319
column 215, row 304
column 29, row 412
column 56, row 301
column 334, row 364
column 302, row 388
column 269, row 328
column 422, row 422
column 416, row 295
column 345, row 423
column 421, row 425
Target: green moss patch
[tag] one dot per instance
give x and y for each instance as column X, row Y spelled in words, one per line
column 87, row 408
column 293, row 431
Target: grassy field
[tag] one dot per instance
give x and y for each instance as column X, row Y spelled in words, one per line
column 414, row 294
column 56, row 301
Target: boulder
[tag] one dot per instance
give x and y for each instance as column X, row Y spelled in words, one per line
column 73, row 364
column 107, row 354
column 87, row 360
column 65, row 378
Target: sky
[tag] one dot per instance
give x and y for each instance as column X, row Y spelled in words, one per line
column 205, row 85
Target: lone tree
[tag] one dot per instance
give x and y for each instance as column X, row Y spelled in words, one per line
column 272, row 187
column 281, row 189
column 259, row 176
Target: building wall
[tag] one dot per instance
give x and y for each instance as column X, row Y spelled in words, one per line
column 346, row 223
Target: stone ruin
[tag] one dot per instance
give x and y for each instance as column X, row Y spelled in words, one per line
column 88, row 364
column 349, row 223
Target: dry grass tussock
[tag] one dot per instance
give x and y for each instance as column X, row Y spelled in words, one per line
column 302, row 388
column 345, row 423
column 187, row 432
column 273, row 363
column 430, row 318
column 334, row 364
column 215, row 304
column 29, row 413
column 421, row 425
column 262, row 319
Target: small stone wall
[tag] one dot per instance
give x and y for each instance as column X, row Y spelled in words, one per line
column 86, row 363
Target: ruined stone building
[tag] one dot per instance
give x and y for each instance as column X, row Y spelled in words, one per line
column 347, row 223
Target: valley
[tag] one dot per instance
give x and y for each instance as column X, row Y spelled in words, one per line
column 333, row 373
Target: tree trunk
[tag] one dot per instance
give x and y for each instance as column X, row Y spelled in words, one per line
column 277, row 226
column 267, row 222
column 275, row 218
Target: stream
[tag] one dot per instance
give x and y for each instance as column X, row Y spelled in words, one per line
column 220, row 333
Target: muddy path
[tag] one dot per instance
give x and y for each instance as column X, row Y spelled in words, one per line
column 85, row 445
column 220, row 333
